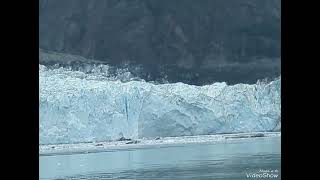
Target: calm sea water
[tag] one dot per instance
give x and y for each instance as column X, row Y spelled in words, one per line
column 257, row 158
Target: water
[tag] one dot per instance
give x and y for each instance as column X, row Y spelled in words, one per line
column 225, row 160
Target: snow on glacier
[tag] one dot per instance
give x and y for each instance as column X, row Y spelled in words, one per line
column 79, row 107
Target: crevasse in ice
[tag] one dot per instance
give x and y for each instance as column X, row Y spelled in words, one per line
column 77, row 107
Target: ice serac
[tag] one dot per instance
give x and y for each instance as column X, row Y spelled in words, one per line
column 76, row 107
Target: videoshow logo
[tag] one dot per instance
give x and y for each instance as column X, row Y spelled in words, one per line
column 264, row 173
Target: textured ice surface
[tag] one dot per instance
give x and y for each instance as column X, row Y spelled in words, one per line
column 77, row 107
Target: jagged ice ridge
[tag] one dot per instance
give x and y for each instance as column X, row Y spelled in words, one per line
column 79, row 107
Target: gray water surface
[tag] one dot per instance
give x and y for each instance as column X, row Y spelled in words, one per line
column 229, row 160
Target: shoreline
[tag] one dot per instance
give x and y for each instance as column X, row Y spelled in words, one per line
column 95, row 147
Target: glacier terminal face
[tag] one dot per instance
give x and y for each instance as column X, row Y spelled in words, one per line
column 78, row 107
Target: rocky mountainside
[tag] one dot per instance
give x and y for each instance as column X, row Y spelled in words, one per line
column 191, row 41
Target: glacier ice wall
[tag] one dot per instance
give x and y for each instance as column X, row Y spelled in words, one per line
column 77, row 107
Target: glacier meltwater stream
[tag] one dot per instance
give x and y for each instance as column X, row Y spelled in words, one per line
column 81, row 107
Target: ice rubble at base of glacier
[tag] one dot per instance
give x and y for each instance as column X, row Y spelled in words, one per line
column 75, row 108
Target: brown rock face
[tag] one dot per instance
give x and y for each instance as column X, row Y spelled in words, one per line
column 206, row 40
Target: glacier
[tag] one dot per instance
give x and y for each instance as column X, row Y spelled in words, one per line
column 79, row 107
